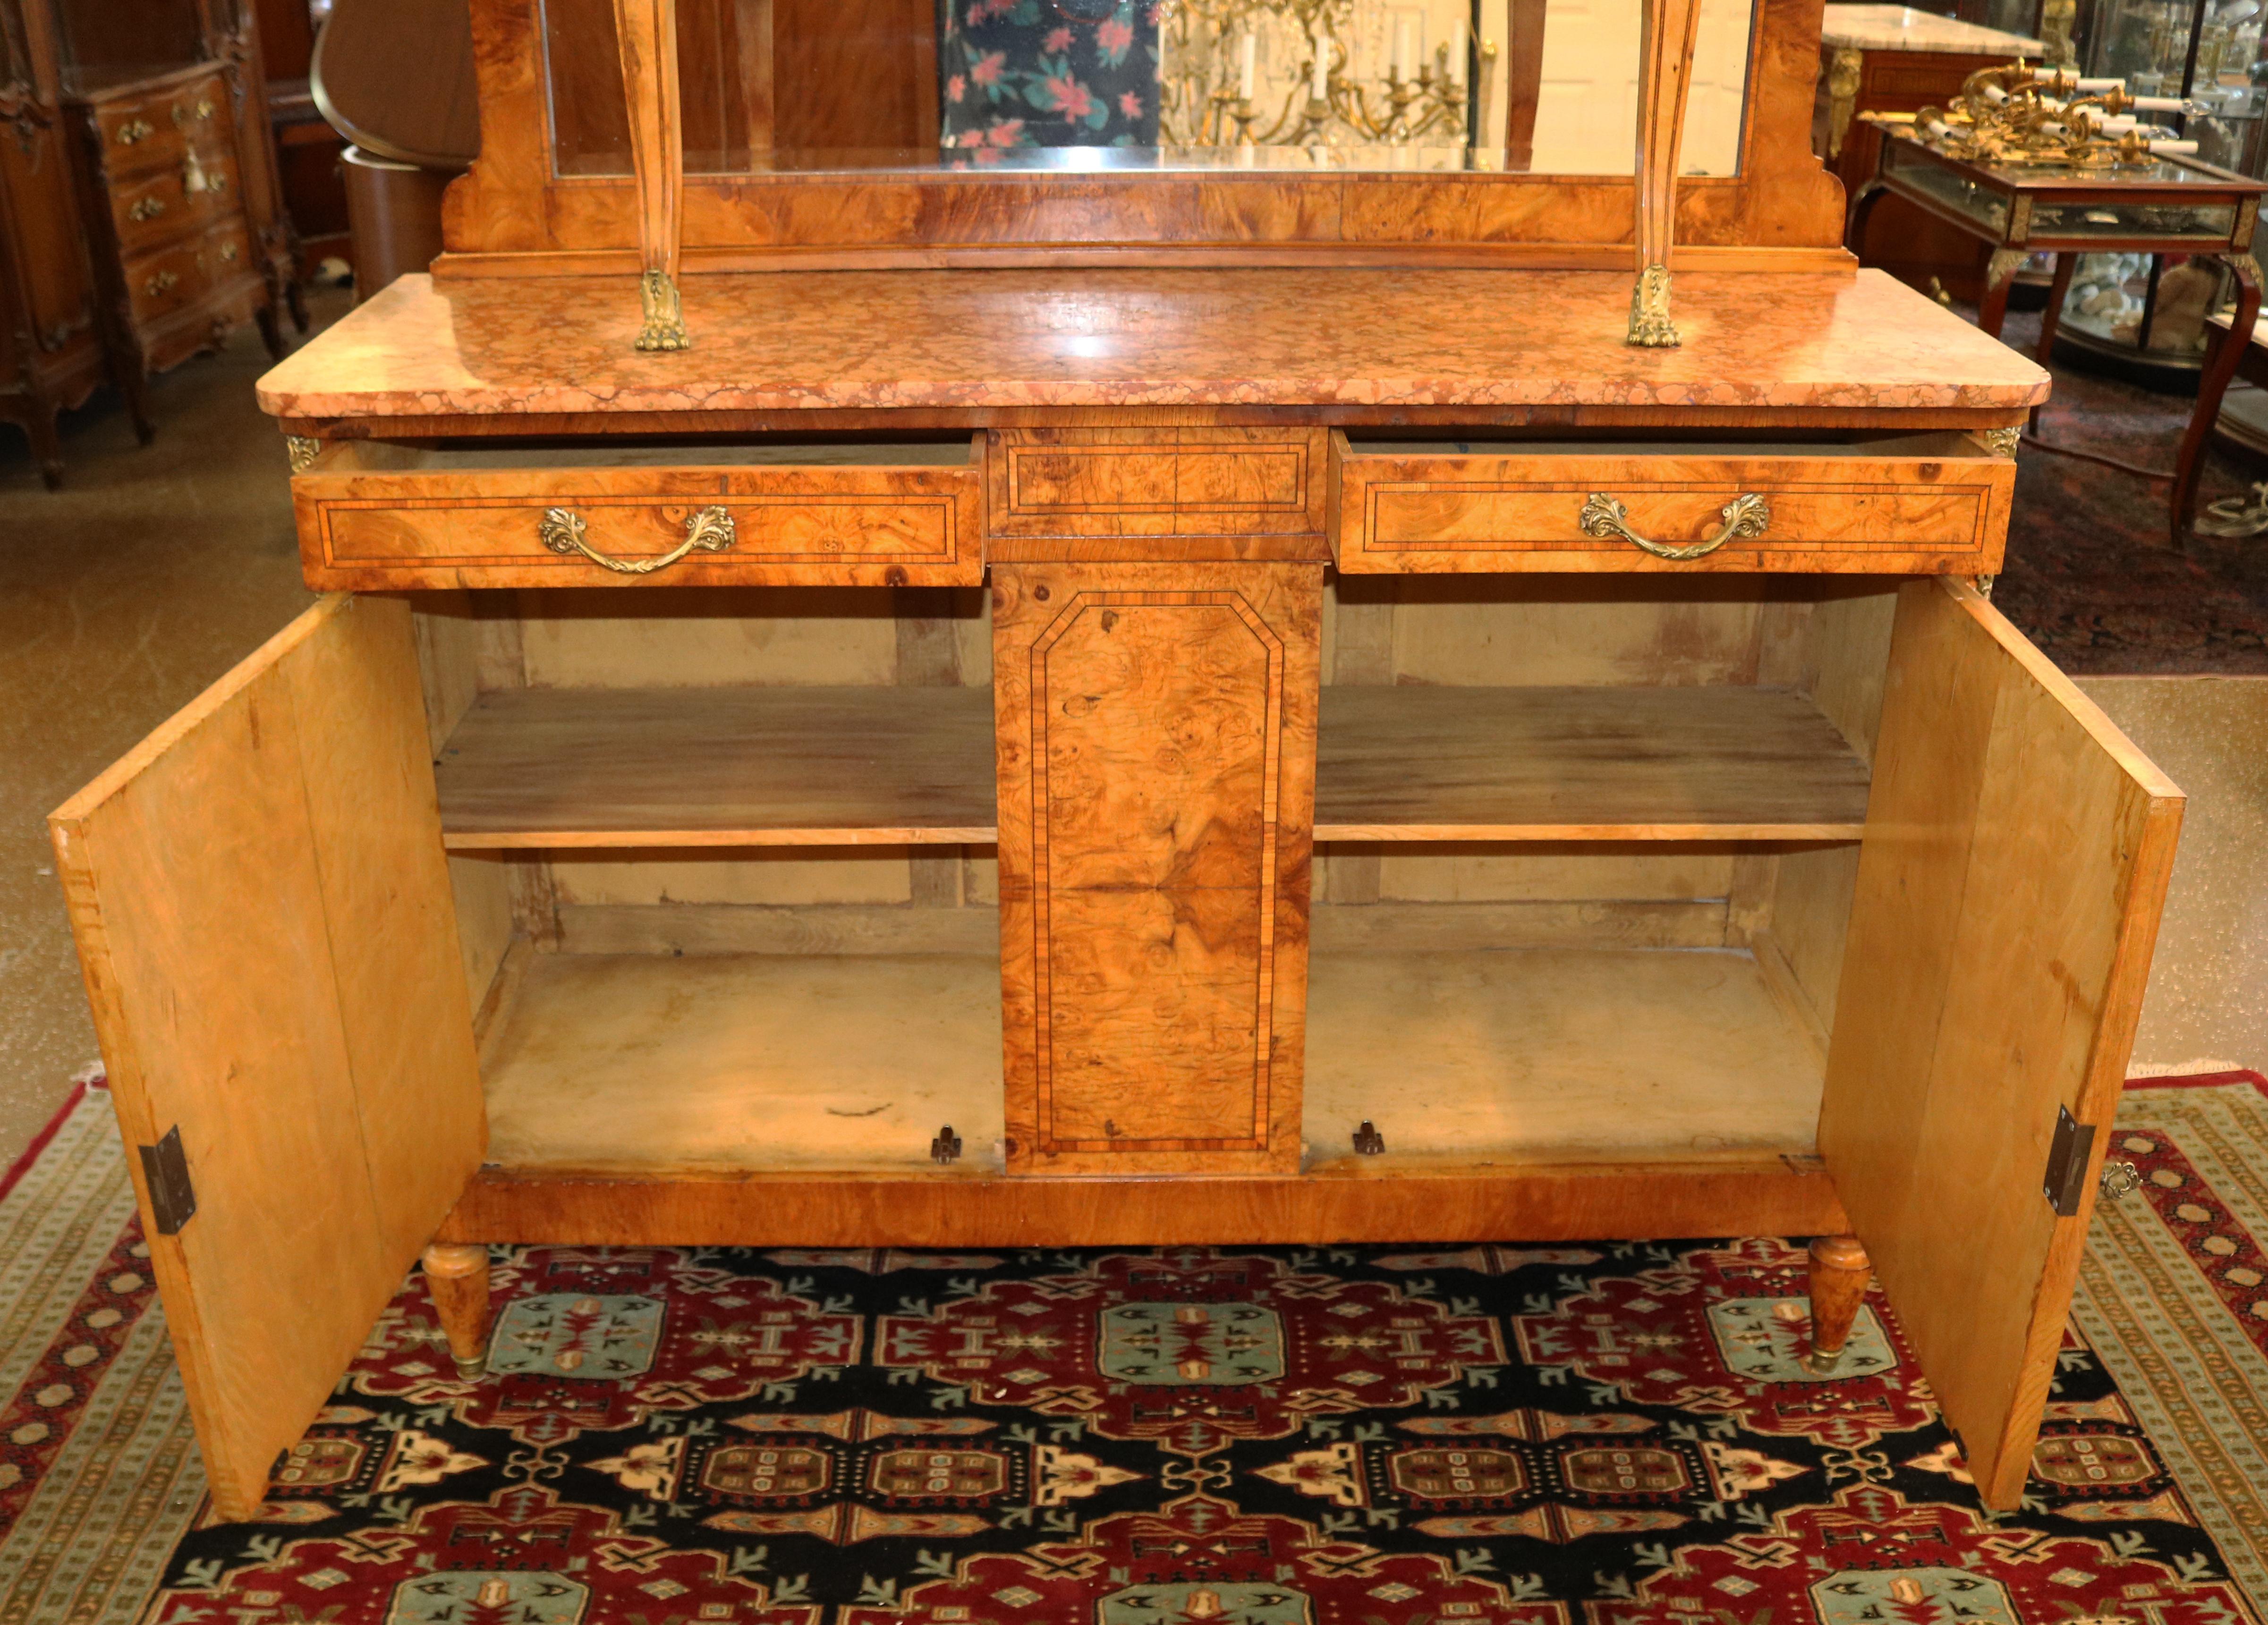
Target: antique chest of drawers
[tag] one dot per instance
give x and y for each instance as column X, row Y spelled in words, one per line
column 178, row 192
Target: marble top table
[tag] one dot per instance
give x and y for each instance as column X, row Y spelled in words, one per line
column 1901, row 28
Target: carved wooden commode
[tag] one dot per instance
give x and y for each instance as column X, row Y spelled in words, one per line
column 1140, row 753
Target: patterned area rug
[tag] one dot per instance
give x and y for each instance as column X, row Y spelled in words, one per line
column 1375, row 1436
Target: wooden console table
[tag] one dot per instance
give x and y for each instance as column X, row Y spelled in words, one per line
column 1334, row 744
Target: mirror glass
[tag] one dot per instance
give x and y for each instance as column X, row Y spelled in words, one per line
column 803, row 86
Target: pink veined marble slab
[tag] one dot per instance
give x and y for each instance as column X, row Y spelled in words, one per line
column 1901, row 28
column 937, row 339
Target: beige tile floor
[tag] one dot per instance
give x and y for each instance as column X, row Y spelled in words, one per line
column 157, row 569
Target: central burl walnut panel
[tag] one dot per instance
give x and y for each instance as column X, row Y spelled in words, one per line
column 1157, row 752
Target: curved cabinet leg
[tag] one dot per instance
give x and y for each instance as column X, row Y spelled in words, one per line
column 2221, row 366
column 47, row 446
column 457, row 1279
column 1840, row 1270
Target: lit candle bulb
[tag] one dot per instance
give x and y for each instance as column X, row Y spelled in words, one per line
column 1251, row 54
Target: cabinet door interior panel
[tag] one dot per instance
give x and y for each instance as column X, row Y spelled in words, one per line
column 1422, row 763
column 1156, row 728
column 1921, row 502
column 534, row 768
column 2008, row 892
column 264, row 912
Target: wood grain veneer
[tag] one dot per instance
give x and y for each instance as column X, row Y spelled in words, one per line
column 380, row 517
column 515, row 213
column 1901, row 505
column 1156, row 746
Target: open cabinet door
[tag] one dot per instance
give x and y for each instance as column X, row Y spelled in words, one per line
column 2015, row 860
column 264, row 914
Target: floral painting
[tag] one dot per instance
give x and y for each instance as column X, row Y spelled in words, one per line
column 1046, row 73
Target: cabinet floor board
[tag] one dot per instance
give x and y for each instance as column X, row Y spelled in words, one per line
column 731, row 1062
column 1558, row 1056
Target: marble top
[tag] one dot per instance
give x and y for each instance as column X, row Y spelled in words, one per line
column 1901, row 28
column 971, row 339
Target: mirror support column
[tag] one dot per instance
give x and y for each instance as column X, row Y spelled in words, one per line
column 648, row 33
column 1664, row 76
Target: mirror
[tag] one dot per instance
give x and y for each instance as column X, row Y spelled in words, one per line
column 816, row 87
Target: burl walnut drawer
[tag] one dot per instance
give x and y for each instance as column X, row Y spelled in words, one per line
column 375, row 515
column 1910, row 505
column 1231, row 493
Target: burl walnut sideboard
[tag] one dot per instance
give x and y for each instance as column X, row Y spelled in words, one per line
column 1189, row 724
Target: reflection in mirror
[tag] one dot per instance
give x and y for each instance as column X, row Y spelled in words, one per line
column 772, row 86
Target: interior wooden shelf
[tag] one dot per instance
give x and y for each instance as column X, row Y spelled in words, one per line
column 1725, row 763
column 1557, row 1056
column 730, row 1065
column 550, row 768
column 537, row 767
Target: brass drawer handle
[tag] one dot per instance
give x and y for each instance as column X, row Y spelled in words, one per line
column 147, row 209
column 228, row 252
column 1746, row 515
column 2120, row 1179
column 161, row 283
column 712, row 530
column 134, row 130
column 197, row 114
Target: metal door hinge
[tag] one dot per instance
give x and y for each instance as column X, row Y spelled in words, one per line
column 166, row 1176
column 2068, row 1155
column 1368, row 1142
column 945, row 1147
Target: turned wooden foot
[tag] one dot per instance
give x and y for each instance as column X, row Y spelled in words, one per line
column 1840, row 1270
column 457, row 1278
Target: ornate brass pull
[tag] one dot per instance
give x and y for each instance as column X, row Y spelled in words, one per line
column 134, row 130
column 228, row 252
column 1746, row 515
column 197, row 114
column 161, row 282
column 710, row 529
column 147, row 209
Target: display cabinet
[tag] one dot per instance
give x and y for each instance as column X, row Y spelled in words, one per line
column 1127, row 699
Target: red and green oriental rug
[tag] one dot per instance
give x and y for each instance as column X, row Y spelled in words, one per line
column 1606, row 1433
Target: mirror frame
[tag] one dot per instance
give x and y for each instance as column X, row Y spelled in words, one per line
column 510, row 214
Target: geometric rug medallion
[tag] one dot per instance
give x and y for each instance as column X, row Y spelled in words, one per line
column 1247, row 1436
